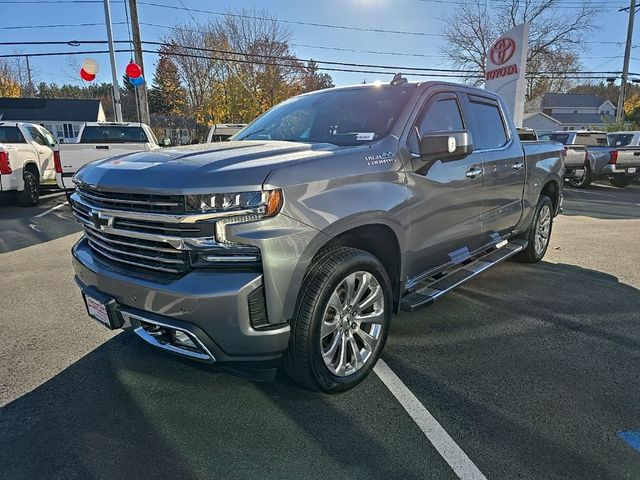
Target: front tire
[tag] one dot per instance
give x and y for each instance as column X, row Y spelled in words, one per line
column 341, row 321
column 539, row 232
column 30, row 195
column 620, row 182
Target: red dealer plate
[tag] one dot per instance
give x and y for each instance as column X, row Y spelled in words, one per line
column 97, row 310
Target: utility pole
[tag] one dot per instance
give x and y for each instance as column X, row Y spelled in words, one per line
column 112, row 57
column 31, row 89
column 137, row 52
column 625, row 66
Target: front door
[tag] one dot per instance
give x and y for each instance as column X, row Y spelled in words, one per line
column 446, row 196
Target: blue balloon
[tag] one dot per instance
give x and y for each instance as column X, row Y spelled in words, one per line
column 136, row 82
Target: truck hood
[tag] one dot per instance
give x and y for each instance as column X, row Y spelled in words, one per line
column 205, row 168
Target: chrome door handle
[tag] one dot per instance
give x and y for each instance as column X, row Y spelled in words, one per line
column 41, row 151
column 518, row 165
column 474, row 172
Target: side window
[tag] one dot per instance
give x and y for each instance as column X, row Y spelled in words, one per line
column 51, row 142
column 489, row 129
column 37, row 136
column 442, row 115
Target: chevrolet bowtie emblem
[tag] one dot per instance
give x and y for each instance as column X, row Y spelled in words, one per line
column 100, row 220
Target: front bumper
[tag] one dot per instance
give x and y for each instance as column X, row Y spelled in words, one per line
column 213, row 306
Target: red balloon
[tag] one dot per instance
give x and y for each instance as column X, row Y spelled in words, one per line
column 133, row 70
column 86, row 76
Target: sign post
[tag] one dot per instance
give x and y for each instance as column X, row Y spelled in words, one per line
column 506, row 69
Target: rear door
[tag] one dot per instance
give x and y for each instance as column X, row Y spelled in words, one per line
column 45, row 153
column 503, row 165
column 446, row 196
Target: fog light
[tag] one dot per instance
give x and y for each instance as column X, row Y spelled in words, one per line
column 181, row 339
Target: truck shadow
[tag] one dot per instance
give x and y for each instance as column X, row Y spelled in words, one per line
column 126, row 410
column 533, row 365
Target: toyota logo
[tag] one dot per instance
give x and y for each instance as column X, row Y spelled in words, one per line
column 502, row 51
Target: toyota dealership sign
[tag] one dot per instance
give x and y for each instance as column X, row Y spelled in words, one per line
column 506, row 67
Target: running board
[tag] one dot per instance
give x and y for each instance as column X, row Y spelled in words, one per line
column 425, row 293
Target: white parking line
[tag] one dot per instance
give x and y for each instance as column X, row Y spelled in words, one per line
column 439, row 438
column 46, row 212
column 49, row 195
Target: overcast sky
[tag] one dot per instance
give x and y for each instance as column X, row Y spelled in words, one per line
column 406, row 15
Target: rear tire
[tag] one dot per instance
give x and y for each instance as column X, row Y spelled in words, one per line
column 341, row 321
column 583, row 182
column 30, row 196
column 620, row 182
column 539, row 233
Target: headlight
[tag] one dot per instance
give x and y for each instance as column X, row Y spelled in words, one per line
column 265, row 203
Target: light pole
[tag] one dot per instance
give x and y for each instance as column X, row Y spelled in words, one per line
column 112, row 57
column 625, row 66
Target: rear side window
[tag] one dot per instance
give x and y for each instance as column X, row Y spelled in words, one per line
column 37, row 136
column 489, row 130
column 113, row 134
column 591, row 139
column 620, row 140
column 11, row 135
column 562, row 138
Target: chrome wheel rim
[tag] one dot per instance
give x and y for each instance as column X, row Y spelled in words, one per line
column 543, row 229
column 352, row 324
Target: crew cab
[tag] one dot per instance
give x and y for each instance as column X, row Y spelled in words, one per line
column 28, row 156
column 98, row 140
column 297, row 240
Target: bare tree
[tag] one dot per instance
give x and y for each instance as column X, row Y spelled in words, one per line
column 555, row 35
column 236, row 66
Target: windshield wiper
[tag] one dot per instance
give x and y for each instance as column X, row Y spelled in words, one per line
column 253, row 133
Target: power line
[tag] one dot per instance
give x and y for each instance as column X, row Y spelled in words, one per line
column 291, row 22
column 430, row 73
column 60, row 25
column 396, row 68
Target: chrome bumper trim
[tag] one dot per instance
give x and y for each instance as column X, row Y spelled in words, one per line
column 204, row 354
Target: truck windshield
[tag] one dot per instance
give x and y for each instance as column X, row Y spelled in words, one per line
column 620, row 139
column 113, row 134
column 341, row 117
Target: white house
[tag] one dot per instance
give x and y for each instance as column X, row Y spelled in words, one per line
column 63, row 117
column 568, row 111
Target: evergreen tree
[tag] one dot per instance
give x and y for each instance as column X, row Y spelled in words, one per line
column 312, row 79
column 167, row 96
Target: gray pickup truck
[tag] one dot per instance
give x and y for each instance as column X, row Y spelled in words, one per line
column 592, row 155
column 297, row 240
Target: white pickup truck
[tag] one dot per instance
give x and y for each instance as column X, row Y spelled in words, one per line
column 223, row 131
column 97, row 141
column 29, row 155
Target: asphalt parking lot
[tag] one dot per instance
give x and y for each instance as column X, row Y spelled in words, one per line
column 532, row 370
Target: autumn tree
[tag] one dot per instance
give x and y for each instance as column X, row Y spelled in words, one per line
column 555, row 35
column 9, row 83
column 312, row 79
column 167, row 96
column 632, row 108
column 236, row 66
